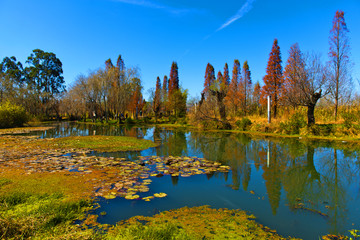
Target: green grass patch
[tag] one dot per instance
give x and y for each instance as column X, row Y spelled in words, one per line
column 193, row 223
column 99, row 143
column 42, row 216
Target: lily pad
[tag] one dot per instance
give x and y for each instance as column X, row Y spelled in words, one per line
column 132, row 197
column 160, row 195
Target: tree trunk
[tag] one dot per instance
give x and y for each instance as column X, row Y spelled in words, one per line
column 311, row 107
column 310, row 114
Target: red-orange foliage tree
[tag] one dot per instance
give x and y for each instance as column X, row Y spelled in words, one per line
column 225, row 80
column 157, row 98
column 209, row 79
column 273, row 79
column 108, row 64
column 232, row 96
column 256, row 95
column 220, row 78
column 339, row 59
column 136, row 101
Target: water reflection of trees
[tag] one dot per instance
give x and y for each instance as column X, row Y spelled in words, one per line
column 173, row 142
column 317, row 173
column 308, row 171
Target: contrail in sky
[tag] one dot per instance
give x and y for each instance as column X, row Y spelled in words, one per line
column 242, row 11
column 155, row 5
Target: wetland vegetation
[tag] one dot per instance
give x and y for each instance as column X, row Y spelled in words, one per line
column 76, row 192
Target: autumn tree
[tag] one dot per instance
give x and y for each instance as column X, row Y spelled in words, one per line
column 256, row 96
column 304, row 81
column 220, row 79
column 157, row 98
column 212, row 103
column 209, row 78
column 174, row 79
column 136, row 101
column 339, row 60
column 245, row 87
column 273, row 79
column 232, row 96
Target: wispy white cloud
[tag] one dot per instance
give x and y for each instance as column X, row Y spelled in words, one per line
column 156, row 5
column 248, row 5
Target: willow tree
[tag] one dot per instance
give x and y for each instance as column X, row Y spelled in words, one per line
column 305, row 81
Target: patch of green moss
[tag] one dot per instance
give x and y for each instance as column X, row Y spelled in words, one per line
column 99, row 143
column 193, row 223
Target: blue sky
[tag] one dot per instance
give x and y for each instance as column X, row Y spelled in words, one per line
column 151, row 34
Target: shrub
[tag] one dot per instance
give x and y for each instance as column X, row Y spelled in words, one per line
column 319, row 130
column 129, row 121
column 349, row 119
column 12, row 115
column 243, row 124
column 172, row 119
column 181, row 121
column 294, row 124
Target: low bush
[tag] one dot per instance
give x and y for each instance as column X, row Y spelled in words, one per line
column 12, row 115
column 243, row 124
column 129, row 121
column 181, row 121
column 294, row 124
column 318, row 130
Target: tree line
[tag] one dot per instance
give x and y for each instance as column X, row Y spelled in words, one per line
column 304, row 81
column 115, row 91
column 37, row 86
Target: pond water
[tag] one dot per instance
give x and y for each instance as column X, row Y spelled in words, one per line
column 300, row 188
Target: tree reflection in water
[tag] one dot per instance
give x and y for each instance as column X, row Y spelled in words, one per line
column 317, row 174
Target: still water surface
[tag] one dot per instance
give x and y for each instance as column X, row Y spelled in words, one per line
column 268, row 178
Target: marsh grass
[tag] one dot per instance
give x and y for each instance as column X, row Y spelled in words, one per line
column 26, row 215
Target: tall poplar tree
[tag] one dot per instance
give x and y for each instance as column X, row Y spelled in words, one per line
column 157, row 98
column 339, row 60
column 245, row 86
column 164, row 94
column 273, row 79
